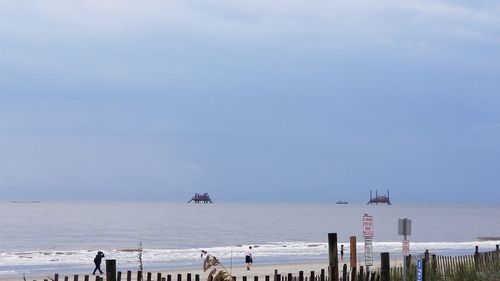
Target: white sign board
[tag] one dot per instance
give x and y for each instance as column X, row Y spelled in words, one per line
column 368, row 252
column 406, row 247
column 367, row 226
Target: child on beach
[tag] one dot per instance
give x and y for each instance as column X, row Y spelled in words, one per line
column 97, row 262
column 248, row 257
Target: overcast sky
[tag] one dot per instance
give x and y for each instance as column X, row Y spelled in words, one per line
column 250, row 100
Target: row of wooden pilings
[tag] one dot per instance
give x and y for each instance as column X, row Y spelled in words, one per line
column 117, row 276
column 434, row 263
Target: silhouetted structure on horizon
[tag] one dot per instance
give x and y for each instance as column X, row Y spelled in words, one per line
column 197, row 198
column 382, row 199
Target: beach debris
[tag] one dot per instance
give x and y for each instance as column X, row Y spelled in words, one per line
column 215, row 274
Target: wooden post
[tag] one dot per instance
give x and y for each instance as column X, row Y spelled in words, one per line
column 244, row 278
column 110, row 270
column 119, row 276
column 139, row 275
column 353, row 253
column 290, row 277
column 267, row 278
column 353, row 274
column 344, row 272
column 158, row 276
column 322, row 275
column 256, row 278
column 86, row 278
column 196, row 277
column 385, row 267
column 56, row 277
column 333, row 258
column 169, row 277
column 301, row 275
column 179, row 277
column 129, row 275
column 476, row 257
column 434, row 263
column 66, row 278
column 149, row 276
column 188, row 277
column 312, row 277
column 75, row 278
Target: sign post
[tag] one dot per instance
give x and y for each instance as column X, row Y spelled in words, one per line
column 404, row 228
column 368, row 235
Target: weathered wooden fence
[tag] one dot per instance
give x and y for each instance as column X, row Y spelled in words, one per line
column 436, row 266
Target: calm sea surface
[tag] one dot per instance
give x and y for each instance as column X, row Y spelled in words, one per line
column 49, row 236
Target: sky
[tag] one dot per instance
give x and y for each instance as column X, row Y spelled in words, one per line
column 250, row 100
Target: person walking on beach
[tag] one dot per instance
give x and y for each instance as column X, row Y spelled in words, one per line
column 248, row 257
column 341, row 252
column 97, row 261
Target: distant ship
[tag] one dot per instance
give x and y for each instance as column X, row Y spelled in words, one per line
column 342, row 201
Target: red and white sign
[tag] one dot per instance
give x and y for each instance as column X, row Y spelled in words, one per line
column 367, row 226
column 406, row 247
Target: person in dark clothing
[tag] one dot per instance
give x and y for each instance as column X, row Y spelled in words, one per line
column 341, row 252
column 97, row 261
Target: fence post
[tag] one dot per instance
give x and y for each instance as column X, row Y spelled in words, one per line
column 290, row 277
column 139, row 275
column 196, row 277
column 256, row 278
column 188, row 277
column 158, row 276
column 344, row 272
column 476, row 257
column 301, row 275
column 110, row 270
column 86, row 278
column 179, row 277
column 385, row 267
column 129, row 275
column 312, row 277
column 75, row 278
column 333, row 258
column 322, row 275
column 353, row 254
column 149, row 276
column 119, row 276
column 56, row 277
column 244, row 278
column 353, row 274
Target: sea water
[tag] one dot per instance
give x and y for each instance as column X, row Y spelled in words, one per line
column 64, row 236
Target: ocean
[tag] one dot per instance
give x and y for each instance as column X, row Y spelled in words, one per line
column 49, row 237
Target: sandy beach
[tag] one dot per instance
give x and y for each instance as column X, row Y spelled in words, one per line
column 237, row 270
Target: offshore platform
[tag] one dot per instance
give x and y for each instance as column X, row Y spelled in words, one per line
column 379, row 199
column 197, row 198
